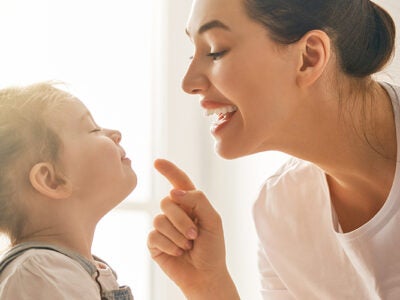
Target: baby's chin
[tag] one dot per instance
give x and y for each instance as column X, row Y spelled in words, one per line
column 124, row 192
column 131, row 185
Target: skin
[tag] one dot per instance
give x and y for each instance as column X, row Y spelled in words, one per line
column 287, row 99
column 92, row 176
column 194, row 261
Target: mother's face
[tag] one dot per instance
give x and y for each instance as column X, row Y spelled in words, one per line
column 241, row 75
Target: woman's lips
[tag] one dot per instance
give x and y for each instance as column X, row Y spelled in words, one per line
column 221, row 121
column 211, row 104
column 223, row 112
column 217, row 108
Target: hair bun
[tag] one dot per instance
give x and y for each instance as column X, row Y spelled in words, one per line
column 384, row 34
column 379, row 33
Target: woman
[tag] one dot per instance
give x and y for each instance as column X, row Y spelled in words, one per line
column 294, row 76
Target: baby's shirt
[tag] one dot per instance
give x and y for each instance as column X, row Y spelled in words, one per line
column 47, row 275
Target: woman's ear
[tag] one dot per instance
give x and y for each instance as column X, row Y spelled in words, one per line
column 315, row 53
column 44, row 180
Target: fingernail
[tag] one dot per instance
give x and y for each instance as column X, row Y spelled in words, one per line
column 188, row 245
column 192, row 233
column 179, row 252
column 178, row 193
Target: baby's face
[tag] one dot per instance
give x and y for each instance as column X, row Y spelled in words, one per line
column 92, row 159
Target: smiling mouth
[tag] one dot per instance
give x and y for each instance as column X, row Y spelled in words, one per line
column 222, row 112
column 222, row 116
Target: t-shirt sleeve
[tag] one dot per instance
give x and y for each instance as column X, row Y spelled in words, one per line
column 47, row 276
column 272, row 288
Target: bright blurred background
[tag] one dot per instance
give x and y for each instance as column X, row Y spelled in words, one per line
column 125, row 60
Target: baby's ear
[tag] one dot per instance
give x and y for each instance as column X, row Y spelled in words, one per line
column 44, row 179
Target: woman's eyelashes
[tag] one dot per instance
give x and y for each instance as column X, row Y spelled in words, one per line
column 216, row 55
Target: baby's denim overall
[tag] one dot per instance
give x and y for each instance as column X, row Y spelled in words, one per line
column 123, row 293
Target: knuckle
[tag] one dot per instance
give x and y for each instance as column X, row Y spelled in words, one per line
column 181, row 225
column 164, row 203
column 151, row 238
column 184, row 222
column 159, row 221
column 218, row 219
column 200, row 194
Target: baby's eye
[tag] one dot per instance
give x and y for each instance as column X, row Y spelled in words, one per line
column 216, row 55
column 95, row 130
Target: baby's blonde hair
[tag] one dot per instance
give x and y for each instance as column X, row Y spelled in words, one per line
column 26, row 138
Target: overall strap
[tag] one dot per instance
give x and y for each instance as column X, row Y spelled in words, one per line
column 16, row 251
column 123, row 293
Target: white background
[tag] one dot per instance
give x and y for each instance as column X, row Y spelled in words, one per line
column 127, row 67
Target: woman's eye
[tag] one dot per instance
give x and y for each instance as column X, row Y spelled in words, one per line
column 216, row 55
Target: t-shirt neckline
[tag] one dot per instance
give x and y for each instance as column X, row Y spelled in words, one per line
column 389, row 208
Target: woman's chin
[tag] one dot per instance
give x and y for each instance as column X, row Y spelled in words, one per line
column 227, row 152
column 236, row 150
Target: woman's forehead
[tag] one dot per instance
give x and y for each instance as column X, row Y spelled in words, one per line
column 223, row 11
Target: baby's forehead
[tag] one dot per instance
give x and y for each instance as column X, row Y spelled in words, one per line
column 70, row 111
column 69, row 104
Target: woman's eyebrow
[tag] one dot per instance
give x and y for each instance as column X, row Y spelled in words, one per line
column 210, row 25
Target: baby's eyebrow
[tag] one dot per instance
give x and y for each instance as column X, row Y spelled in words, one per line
column 85, row 115
column 210, row 25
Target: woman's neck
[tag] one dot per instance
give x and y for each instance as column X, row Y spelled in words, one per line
column 356, row 146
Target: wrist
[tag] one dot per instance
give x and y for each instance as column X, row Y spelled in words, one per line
column 219, row 287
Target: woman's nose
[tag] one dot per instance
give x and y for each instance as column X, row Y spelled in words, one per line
column 195, row 80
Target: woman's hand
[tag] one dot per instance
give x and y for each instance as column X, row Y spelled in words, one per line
column 188, row 241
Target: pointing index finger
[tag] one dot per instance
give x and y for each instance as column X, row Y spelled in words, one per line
column 174, row 175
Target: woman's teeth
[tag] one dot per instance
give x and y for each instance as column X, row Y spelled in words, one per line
column 221, row 111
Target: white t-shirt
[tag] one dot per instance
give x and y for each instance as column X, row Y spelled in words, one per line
column 50, row 275
column 304, row 255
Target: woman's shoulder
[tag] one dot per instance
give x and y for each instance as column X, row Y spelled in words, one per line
column 295, row 179
column 392, row 89
column 294, row 170
column 295, row 186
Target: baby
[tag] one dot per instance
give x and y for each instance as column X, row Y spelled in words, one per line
column 60, row 173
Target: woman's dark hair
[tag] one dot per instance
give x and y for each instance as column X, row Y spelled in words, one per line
column 363, row 33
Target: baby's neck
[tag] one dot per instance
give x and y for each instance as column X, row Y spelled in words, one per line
column 73, row 239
